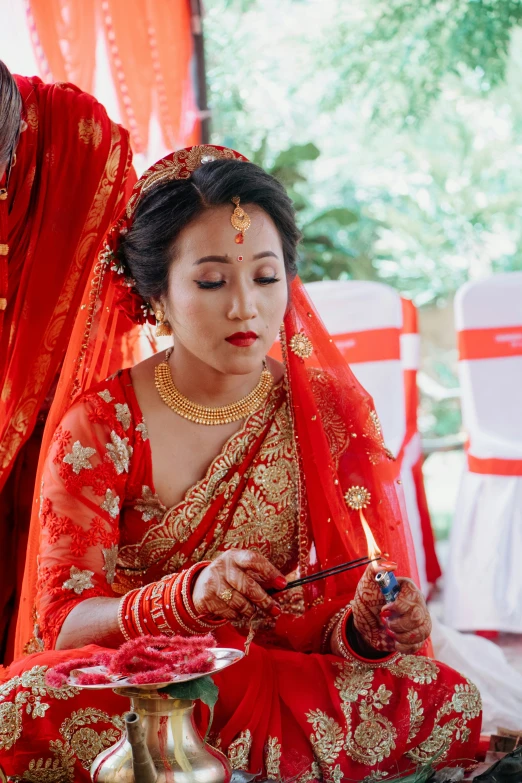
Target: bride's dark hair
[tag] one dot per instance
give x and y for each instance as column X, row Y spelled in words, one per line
column 10, row 114
column 149, row 248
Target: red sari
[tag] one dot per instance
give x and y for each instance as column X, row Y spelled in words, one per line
column 288, row 708
column 68, row 184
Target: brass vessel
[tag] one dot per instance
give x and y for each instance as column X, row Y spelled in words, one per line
column 162, row 745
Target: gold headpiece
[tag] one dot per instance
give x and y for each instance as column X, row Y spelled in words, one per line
column 240, row 221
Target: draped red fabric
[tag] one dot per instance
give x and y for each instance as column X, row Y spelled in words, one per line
column 64, row 38
column 71, row 175
column 149, row 45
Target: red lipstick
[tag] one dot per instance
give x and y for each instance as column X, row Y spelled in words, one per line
column 242, row 339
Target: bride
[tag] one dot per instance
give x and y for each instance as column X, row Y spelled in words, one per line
column 177, row 492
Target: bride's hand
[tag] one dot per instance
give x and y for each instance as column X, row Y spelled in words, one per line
column 230, row 586
column 402, row 626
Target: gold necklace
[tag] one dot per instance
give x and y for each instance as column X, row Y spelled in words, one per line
column 201, row 414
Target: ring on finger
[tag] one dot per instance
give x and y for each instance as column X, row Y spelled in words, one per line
column 226, row 595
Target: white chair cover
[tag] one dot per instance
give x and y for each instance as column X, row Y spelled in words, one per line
column 483, row 583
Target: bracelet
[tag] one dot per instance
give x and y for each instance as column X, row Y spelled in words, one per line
column 121, row 623
column 340, row 636
column 329, row 628
column 164, row 607
column 186, row 595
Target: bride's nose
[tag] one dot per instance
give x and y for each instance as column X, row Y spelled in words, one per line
column 243, row 305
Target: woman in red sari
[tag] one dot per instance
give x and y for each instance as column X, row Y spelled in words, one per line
column 176, row 493
column 62, row 181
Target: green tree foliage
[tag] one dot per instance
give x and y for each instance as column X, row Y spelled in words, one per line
column 394, row 124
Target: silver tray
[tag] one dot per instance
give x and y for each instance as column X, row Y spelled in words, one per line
column 223, row 657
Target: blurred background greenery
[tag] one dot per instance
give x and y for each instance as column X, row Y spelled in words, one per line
column 396, row 126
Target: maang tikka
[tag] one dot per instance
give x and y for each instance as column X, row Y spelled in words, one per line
column 240, row 221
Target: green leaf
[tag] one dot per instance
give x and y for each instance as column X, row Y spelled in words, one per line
column 340, row 215
column 203, row 688
column 294, row 155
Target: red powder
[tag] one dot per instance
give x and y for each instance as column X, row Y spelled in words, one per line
column 147, row 659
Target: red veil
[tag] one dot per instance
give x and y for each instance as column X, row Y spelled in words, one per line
column 329, row 530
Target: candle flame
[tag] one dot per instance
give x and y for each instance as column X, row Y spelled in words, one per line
column 373, row 549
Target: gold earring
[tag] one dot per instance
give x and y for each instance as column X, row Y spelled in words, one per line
column 163, row 328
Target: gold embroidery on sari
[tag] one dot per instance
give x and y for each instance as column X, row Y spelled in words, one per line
column 273, row 758
column 150, row 506
column 79, row 457
column 90, row 132
column 110, row 557
column 79, row 580
column 263, row 519
column 421, row 670
column 239, row 750
column 416, row 713
column 123, row 414
column 111, row 504
column 142, row 429
column 314, row 773
column 466, row 702
column 328, row 740
column 106, row 395
column 80, row 741
column 333, row 423
column 120, row 453
column 84, row 740
column 373, row 738
column 28, row 701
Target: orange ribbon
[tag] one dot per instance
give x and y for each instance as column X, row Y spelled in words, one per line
column 494, row 467
column 493, row 343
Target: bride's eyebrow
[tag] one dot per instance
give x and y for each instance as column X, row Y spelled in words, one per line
column 219, row 259
column 227, row 259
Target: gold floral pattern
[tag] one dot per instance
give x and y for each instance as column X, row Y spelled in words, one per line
column 110, row 557
column 467, row 701
column 79, row 457
column 273, row 758
column 421, row 670
column 333, row 422
column 142, row 429
column 263, row 518
column 79, row 580
column 123, row 414
column 106, row 395
column 28, row 700
column 416, row 713
column 150, row 506
column 328, row 739
column 90, row 132
column 120, row 452
column 87, row 743
column 357, row 498
column 370, row 736
column 239, row 750
column 301, row 345
column 111, row 504
column 79, row 741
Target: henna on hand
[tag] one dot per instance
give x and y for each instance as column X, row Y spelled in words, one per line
column 244, row 573
column 402, row 626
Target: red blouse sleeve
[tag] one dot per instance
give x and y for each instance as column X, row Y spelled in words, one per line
column 83, row 489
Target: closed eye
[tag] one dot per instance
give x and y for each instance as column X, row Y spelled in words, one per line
column 267, row 280
column 209, row 286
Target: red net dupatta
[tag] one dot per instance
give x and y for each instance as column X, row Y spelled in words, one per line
column 340, row 448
